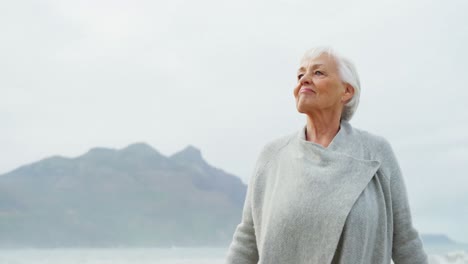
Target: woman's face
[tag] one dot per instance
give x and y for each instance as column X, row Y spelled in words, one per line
column 319, row 87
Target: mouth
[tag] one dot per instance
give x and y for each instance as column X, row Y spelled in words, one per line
column 306, row 90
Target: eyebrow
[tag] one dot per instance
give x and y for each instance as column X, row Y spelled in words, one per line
column 313, row 66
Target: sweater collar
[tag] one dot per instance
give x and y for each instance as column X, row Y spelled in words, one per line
column 338, row 143
column 335, row 177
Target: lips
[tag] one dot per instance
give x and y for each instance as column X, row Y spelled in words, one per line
column 306, row 90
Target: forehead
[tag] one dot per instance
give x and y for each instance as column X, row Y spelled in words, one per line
column 322, row 60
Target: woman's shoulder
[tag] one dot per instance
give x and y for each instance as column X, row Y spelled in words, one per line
column 272, row 147
column 380, row 149
column 378, row 146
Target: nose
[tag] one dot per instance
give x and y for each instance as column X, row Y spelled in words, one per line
column 306, row 79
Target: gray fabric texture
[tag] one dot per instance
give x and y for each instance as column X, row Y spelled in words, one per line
column 346, row 203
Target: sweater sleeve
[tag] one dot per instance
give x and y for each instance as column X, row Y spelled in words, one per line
column 407, row 245
column 243, row 248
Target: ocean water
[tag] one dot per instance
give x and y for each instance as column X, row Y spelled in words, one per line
column 114, row 256
column 456, row 257
column 153, row 256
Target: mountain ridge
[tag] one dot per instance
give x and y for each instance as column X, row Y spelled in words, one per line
column 133, row 196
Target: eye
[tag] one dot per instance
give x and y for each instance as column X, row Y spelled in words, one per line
column 318, row 73
column 300, row 76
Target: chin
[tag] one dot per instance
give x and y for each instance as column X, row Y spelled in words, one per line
column 301, row 109
column 304, row 106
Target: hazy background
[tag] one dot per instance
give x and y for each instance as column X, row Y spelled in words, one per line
column 219, row 75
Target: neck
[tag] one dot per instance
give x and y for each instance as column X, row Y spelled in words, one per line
column 322, row 130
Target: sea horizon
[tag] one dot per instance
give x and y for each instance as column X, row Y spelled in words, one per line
column 160, row 255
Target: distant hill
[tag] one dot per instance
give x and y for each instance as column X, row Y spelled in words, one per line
column 437, row 239
column 133, row 196
column 441, row 244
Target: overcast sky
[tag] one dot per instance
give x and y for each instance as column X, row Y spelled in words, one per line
column 219, row 75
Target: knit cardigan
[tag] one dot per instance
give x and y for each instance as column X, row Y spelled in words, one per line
column 346, row 203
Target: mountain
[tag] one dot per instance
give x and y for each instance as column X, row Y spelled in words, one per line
column 441, row 244
column 437, row 239
column 133, row 196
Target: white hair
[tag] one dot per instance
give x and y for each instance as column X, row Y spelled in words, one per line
column 348, row 74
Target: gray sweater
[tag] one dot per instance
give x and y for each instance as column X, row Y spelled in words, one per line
column 346, row 203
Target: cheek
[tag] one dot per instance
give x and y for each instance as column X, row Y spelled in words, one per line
column 296, row 90
column 328, row 88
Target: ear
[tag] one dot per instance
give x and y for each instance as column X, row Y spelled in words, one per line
column 348, row 93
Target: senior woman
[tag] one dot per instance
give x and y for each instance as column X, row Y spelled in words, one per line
column 330, row 193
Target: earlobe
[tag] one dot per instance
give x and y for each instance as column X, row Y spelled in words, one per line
column 344, row 99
